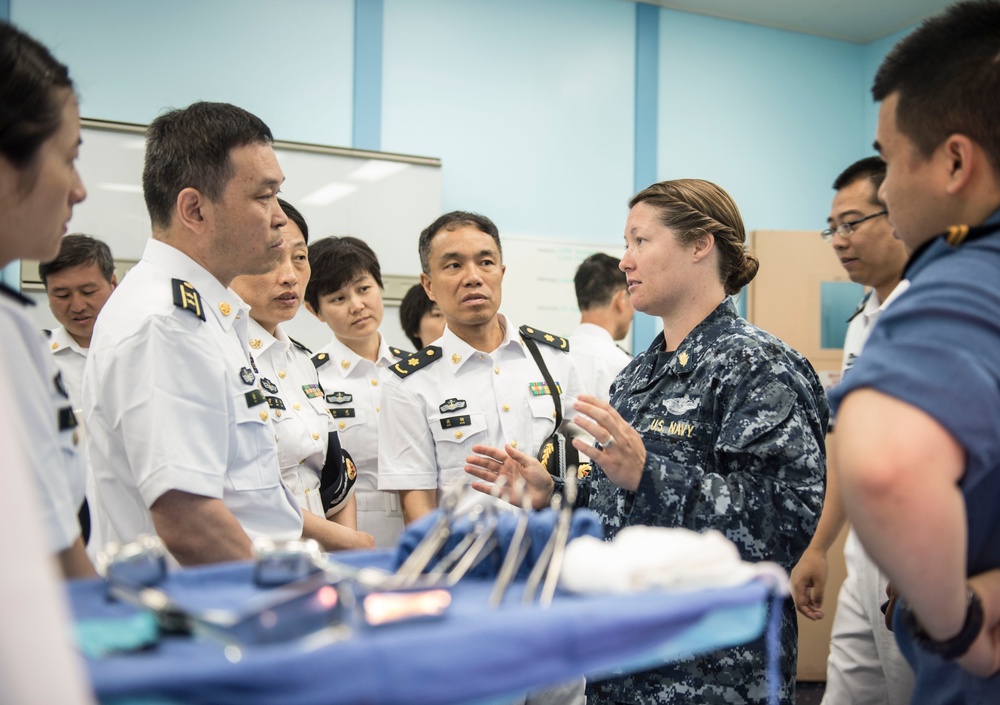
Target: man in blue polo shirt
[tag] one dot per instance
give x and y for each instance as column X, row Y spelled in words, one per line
column 918, row 419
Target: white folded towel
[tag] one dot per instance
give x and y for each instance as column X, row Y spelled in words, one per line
column 644, row 557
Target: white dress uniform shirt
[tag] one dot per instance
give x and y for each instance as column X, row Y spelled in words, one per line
column 171, row 403
column 865, row 665
column 302, row 423
column 52, row 446
column 597, row 358
column 438, row 411
column 70, row 359
column 353, row 388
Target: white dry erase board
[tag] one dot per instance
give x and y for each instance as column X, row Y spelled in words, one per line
column 538, row 286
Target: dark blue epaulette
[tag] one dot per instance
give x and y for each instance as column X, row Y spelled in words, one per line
column 416, row 361
column 546, row 338
column 300, row 346
column 861, row 306
column 15, row 295
column 187, row 298
column 320, row 359
column 400, row 354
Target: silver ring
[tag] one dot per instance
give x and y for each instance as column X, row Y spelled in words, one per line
column 608, row 443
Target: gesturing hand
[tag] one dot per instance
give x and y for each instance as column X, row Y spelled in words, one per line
column 518, row 470
column 622, row 454
column 809, row 583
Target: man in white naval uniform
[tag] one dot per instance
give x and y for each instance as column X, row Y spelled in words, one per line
column 180, row 439
column 865, row 666
column 78, row 283
column 478, row 385
column 605, row 316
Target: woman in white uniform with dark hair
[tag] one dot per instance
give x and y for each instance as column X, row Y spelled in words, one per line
column 39, row 185
column 345, row 293
column 313, row 466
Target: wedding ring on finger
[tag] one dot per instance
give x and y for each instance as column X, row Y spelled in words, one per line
column 608, row 443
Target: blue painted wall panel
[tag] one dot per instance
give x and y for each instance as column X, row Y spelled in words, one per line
column 290, row 63
column 771, row 116
column 529, row 103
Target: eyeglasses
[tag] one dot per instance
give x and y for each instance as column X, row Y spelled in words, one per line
column 845, row 229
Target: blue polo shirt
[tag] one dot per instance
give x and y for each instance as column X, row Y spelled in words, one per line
column 937, row 348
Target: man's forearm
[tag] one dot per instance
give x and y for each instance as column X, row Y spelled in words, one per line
column 197, row 529
column 416, row 503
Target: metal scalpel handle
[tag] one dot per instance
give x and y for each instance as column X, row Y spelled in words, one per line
column 520, row 542
column 561, row 538
column 538, row 571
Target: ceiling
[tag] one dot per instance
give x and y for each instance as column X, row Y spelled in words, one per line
column 859, row 21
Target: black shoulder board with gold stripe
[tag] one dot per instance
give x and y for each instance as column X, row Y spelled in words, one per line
column 320, row 359
column 187, row 298
column 416, row 361
column 543, row 337
column 300, row 346
column 400, row 354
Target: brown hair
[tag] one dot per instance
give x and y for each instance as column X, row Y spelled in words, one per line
column 694, row 207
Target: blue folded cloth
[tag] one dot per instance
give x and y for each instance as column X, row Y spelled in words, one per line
column 540, row 527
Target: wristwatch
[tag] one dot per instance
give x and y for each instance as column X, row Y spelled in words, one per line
column 957, row 645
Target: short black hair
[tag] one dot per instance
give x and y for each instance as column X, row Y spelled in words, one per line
column 336, row 262
column 454, row 221
column 871, row 168
column 597, row 280
column 412, row 310
column 30, row 103
column 292, row 213
column 190, row 148
column 79, row 250
column 946, row 74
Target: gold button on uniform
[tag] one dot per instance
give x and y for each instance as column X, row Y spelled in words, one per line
column 377, row 409
column 315, row 436
column 345, row 364
column 342, row 425
column 496, row 370
column 281, row 374
column 374, row 382
column 458, row 434
column 55, row 346
column 296, row 406
column 513, row 444
column 255, row 343
column 225, row 308
column 506, row 407
column 263, row 416
column 278, row 413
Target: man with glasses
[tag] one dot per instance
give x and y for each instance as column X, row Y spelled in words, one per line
column 865, row 665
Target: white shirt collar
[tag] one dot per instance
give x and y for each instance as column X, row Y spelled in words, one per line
column 61, row 340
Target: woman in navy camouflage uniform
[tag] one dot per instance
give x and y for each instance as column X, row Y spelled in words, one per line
column 718, row 425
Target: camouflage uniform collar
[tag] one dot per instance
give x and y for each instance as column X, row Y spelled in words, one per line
column 687, row 356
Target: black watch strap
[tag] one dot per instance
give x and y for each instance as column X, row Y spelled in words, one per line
column 957, row 645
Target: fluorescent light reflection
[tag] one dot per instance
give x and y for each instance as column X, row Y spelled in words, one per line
column 376, row 170
column 328, row 194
